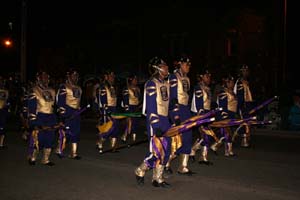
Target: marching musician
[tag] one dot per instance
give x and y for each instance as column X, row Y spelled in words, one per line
column 131, row 103
column 245, row 102
column 156, row 107
column 68, row 103
column 180, row 111
column 227, row 100
column 107, row 103
column 201, row 104
column 42, row 118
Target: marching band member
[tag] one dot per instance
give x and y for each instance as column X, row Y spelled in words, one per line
column 131, row 103
column 68, row 103
column 201, row 104
column 245, row 102
column 180, row 111
column 107, row 102
column 156, row 108
column 227, row 100
column 42, row 118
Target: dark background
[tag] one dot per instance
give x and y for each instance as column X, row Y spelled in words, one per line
column 124, row 35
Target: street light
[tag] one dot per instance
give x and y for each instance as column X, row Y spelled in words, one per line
column 7, row 43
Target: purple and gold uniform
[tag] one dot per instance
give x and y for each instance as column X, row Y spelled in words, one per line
column 68, row 103
column 201, row 104
column 131, row 103
column 180, row 111
column 245, row 102
column 156, row 108
column 3, row 111
column 227, row 100
column 107, row 100
column 42, row 118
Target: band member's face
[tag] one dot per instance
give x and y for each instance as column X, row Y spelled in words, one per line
column 164, row 70
column 44, row 79
column 206, row 78
column 73, row 78
column 111, row 77
column 245, row 73
column 134, row 81
column 230, row 84
column 185, row 67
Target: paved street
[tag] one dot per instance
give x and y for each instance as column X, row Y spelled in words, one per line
column 270, row 169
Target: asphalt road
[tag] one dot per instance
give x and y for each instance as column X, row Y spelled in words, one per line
column 270, row 169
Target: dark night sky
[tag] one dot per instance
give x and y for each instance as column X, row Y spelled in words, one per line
column 61, row 23
column 69, row 16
